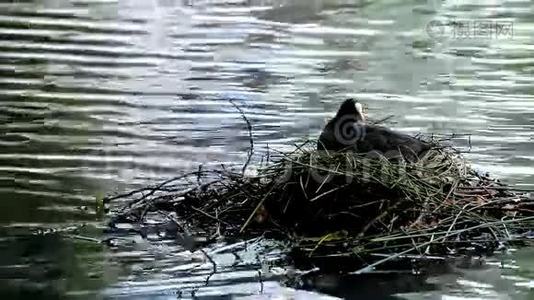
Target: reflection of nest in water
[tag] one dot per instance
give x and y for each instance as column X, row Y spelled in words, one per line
column 342, row 205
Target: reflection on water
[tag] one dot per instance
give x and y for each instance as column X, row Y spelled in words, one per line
column 102, row 96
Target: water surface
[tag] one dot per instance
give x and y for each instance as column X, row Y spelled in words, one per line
column 98, row 97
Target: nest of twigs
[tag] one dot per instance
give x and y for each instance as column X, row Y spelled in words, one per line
column 331, row 205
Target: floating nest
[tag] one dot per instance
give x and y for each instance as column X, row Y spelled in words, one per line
column 343, row 205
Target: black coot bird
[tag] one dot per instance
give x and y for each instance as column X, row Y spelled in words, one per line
column 347, row 131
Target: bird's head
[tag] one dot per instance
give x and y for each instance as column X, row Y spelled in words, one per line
column 351, row 108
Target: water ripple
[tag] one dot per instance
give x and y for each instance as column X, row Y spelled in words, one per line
column 100, row 96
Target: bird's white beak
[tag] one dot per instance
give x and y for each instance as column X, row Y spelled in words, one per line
column 359, row 109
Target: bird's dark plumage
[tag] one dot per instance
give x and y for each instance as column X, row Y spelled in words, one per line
column 347, row 131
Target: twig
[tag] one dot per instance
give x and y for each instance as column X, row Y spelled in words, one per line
column 439, row 239
column 377, row 218
column 83, row 238
column 214, row 270
column 382, row 120
column 256, row 209
column 251, row 140
column 261, row 281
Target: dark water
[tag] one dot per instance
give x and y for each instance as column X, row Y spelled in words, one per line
column 103, row 96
